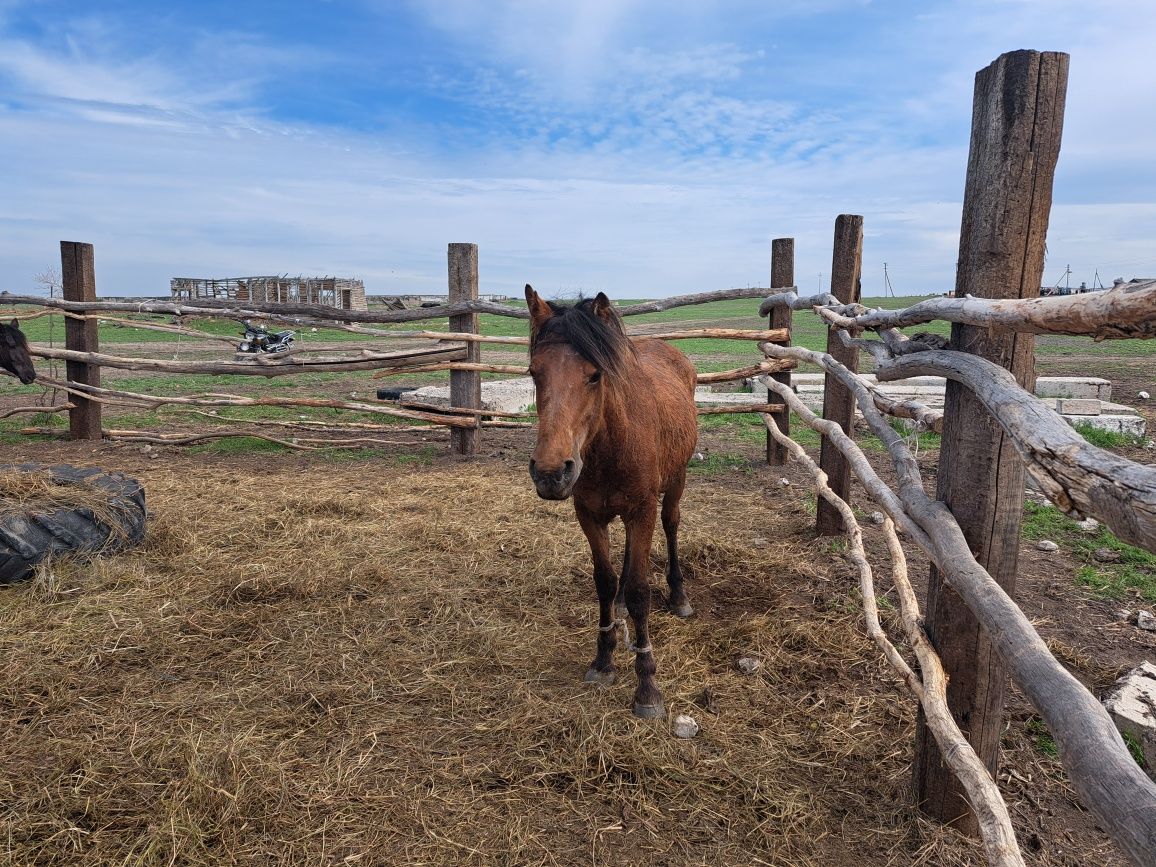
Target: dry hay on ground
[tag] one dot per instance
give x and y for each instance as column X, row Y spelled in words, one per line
column 360, row 666
column 35, row 491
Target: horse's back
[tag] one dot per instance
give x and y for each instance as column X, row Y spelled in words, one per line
column 669, row 368
column 672, row 383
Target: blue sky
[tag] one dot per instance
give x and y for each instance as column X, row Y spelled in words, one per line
column 639, row 147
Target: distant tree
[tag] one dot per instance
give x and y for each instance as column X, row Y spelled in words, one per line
column 49, row 281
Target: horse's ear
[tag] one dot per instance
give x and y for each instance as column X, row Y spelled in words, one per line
column 539, row 310
column 602, row 308
column 16, row 324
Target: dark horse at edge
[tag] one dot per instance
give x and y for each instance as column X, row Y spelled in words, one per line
column 14, row 355
column 616, row 429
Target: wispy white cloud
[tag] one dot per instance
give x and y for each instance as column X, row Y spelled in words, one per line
column 637, row 147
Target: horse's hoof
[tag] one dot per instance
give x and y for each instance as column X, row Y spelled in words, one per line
column 649, row 711
column 602, row 678
column 683, row 609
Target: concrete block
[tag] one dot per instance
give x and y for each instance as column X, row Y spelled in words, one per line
column 1046, row 386
column 1132, row 706
column 932, row 383
column 1117, row 408
column 904, row 389
column 1078, row 406
column 1126, row 424
column 1074, row 386
column 817, row 379
column 707, row 398
column 504, row 395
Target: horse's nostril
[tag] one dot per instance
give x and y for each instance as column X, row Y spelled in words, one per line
column 533, row 473
column 569, row 468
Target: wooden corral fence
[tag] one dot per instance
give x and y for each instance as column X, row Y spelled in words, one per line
column 972, row 635
column 456, row 350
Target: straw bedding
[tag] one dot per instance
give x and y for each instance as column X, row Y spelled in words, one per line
column 362, row 665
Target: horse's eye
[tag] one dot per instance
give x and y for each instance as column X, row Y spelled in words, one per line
column 594, row 377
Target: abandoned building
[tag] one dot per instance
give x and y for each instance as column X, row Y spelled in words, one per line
column 340, row 292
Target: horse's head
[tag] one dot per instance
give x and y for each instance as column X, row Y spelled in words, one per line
column 14, row 355
column 575, row 353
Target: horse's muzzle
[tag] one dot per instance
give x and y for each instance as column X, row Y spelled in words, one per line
column 555, row 484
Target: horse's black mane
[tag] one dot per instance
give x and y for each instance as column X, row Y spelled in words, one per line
column 602, row 342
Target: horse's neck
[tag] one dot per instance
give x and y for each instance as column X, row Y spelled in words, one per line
column 624, row 403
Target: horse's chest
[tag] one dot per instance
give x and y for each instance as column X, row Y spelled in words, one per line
column 615, row 490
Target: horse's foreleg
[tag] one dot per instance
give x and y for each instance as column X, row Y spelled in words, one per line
column 602, row 670
column 636, row 578
column 677, row 602
column 620, row 599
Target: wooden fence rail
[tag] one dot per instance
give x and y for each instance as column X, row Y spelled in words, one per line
column 455, row 350
column 1110, row 782
column 207, row 309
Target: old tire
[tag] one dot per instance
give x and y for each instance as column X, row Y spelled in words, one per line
column 27, row 538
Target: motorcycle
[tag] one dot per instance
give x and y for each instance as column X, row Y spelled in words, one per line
column 258, row 338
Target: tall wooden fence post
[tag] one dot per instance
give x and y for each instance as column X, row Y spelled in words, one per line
column 782, row 275
column 838, row 402
column 1017, row 117
column 465, row 385
column 78, row 278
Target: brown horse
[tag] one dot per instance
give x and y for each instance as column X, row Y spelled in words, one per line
column 616, row 428
column 14, row 355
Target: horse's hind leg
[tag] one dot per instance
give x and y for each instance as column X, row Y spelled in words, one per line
column 602, row 670
column 620, row 599
column 677, row 602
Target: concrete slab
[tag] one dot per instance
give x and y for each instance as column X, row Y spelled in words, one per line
column 1133, row 425
column 885, row 387
column 517, row 395
column 504, row 395
column 708, row 398
column 1132, row 706
column 1078, row 406
column 1074, row 386
column 817, row 379
column 1046, row 386
column 1117, row 408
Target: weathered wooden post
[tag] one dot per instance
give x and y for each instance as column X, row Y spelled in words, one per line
column 838, row 402
column 78, row 279
column 782, row 275
column 465, row 385
column 1017, row 117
